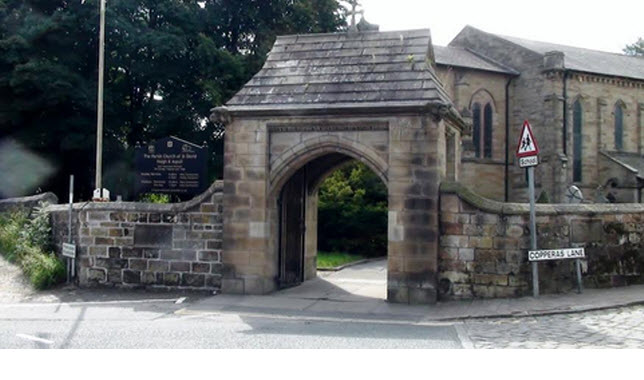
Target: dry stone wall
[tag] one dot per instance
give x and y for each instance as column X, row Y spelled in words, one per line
column 27, row 203
column 147, row 245
column 484, row 245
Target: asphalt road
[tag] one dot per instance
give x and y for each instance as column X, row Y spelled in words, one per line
column 156, row 324
column 338, row 310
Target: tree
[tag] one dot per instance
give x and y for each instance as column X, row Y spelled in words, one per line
column 352, row 213
column 636, row 49
column 168, row 62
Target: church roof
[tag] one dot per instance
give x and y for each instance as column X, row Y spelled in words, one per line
column 632, row 161
column 590, row 61
column 345, row 70
column 583, row 60
column 461, row 57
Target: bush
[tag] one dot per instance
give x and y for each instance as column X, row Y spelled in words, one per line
column 11, row 236
column 43, row 270
column 155, row 198
column 26, row 240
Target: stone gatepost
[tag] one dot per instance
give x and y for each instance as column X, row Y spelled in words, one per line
column 413, row 210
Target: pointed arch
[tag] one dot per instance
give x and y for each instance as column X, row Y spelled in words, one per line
column 483, row 109
column 483, row 96
column 296, row 157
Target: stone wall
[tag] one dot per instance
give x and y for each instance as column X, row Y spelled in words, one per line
column 466, row 86
column 30, row 202
column 484, row 244
column 147, row 245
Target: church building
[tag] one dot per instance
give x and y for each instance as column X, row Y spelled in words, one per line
column 586, row 108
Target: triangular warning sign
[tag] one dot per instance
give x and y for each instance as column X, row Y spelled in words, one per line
column 527, row 143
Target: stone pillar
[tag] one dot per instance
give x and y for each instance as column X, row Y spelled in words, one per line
column 413, row 210
column 249, row 265
column 549, row 172
column 311, row 235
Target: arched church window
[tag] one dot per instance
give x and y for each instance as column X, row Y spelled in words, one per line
column 487, row 131
column 476, row 129
column 577, row 145
column 619, row 127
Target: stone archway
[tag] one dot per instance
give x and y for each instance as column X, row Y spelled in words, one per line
column 318, row 101
column 263, row 155
column 294, row 199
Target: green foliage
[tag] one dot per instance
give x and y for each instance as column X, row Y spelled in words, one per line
column 43, row 270
column 37, row 230
column 336, row 259
column 154, row 198
column 25, row 240
column 11, row 234
column 168, row 62
column 636, row 49
column 543, row 197
column 352, row 214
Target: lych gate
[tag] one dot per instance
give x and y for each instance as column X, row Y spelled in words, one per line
column 319, row 101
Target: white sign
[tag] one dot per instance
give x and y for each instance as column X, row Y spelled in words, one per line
column 556, row 254
column 525, row 162
column 527, row 144
column 69, row 250
column 104, row 198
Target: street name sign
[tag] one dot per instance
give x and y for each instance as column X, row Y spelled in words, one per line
column 69, row 250
column 556, row 254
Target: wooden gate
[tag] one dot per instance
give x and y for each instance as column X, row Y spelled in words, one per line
column 292, row 228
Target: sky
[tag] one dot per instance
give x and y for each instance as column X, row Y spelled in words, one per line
column 598, row 25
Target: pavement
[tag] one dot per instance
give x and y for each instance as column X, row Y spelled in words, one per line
column 355, row 292
column 359, row 292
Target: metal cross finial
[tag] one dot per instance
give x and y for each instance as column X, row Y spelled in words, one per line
column 353, row 12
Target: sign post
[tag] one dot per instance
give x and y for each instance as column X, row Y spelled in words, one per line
column 69, row 249
column 527, row 152
column 580, row 284
column 533, row 232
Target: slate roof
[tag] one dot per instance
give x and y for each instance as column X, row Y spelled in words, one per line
column 586, row 60
column 460, row 57
column 631, row 161
column 345, row 70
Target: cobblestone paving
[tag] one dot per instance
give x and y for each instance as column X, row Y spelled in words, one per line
column 614, row 328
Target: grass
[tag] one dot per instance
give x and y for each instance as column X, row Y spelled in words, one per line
column 25, row 241
column 335, row 259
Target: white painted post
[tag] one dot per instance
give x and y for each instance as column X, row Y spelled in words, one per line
column 71, row 267
column 99, row 117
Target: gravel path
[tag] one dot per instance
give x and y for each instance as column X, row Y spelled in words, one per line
column 14, row 287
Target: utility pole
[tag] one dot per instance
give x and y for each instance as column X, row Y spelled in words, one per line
column 99, row 121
